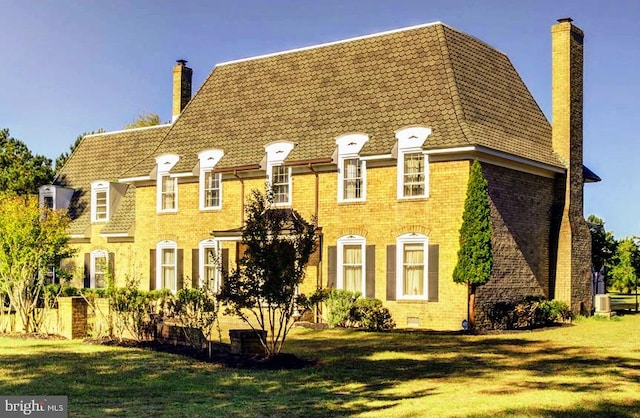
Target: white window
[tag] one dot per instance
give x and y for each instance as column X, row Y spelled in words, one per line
column 167, row 186
column 412, row 266
column 167, row 265
column 413, row 163
column 100, row 201
column 210, row 182
column 54, row 197
column 99, row 269
column 351, row 264
column 352, row 170
column 279, row 176
column 209, row 264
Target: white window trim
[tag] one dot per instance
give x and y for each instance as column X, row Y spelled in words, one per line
column 166, row 245
column 208, row 160
column 410, row 140
column 351, row 240
column 411, row 238
column 209, row 243
column 277, row 152
column 98, row 187
column 349, row 147
column 164, row 165
column 92, row 274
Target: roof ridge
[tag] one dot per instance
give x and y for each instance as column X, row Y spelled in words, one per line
column 120, row 131
column 453, row 85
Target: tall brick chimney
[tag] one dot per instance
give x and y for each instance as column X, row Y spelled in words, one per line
column 181, row 87
column 573, row 259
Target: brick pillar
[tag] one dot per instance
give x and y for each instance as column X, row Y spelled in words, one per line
column 572, row 283
column 73, row 317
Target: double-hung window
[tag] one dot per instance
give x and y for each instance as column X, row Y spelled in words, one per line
column 413, row 163
column 210, row 259
column 167, row 186
column 412, row 268
column 352, row 170
column 100, row 201
column 210, row 181
column 351, row 264
column 99, row 269
column 278, row 175
column 167, row 265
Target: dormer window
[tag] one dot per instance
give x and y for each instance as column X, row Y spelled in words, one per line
column 100, row 201
column 210, row 181
column 278, row 175
column 413, row 163
column 352, row 171
column 54, row 197
column 167, row 186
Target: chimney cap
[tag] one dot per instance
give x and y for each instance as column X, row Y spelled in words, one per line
column 565, row 19
column 181, row 61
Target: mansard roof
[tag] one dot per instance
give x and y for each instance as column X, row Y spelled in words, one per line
column 467, row 92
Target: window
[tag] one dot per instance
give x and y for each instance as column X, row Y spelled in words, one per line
column 167, row 186
column 279, row 176
column 412, row 266
column 210, row 182
column 99, row 269
column 209, row 264
column 54, row 197
column 167, row 266
column 280, row 184
column 351, row 264
column 352, row 171
column 100, row 201
column 413, row 163
column 48, row 202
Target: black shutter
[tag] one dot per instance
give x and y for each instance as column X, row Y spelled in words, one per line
column 152, row 269
column 195, row 268
column 434, row 256
column 332, row 267
column 112, row 267
column 371, row 272
column 180, row 270
column 87, row 270
column 391, row 272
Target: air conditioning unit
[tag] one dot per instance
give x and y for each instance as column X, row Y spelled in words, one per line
column 602, row 303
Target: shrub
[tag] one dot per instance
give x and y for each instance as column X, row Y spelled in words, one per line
column 530, row 312
column 197, row 311
column 553, row 311
column 339, row 304
column 370, row 314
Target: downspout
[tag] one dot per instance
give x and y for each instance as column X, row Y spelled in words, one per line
column 235, row 174
column 310, row 165
column 318, row 308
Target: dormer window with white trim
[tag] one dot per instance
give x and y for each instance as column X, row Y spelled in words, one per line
column 210, row 182
column 352, row 171
column 413, row 163
column 167, row 186
column 278, row 175
column 54, row 197
column 100, row 201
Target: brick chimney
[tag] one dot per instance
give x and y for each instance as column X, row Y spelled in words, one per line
column 572, row 282
column 181, row 87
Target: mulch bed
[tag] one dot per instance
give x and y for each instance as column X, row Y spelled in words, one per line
column 282, row 361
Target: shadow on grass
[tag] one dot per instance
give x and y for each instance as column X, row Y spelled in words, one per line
column 357, row 374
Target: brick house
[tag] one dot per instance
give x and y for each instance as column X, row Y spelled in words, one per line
column 374, row 136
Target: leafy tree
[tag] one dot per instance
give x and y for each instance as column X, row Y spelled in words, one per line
column 21, row 172
column 32, row 240
column 623, row 272
column 603, row 246
column 262, row 289
column 146, row 119
column 62, row 158
column 475, row 257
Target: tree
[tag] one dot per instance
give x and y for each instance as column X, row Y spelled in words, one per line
column 62, row 158
column 32, row 241
column 475, row 257
column 623, row 271
column 21, row 172
column 143, row 120
column 263, row 288
column 603, row 246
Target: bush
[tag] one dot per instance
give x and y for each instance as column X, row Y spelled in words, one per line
column 553, row 311
column 531, row 312
column 339, row 304
column 197, row 311
column 370, row 314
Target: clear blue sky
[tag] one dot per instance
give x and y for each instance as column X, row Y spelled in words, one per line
column 73, row 66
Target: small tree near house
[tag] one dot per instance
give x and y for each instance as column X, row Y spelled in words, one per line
column 475, row 256
column 263, row 289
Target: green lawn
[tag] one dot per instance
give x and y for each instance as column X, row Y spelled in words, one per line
column 591, row 369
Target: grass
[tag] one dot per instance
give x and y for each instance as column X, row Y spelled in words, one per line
column 591, row 369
